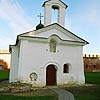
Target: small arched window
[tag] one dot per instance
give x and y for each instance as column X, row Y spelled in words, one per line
column 52, row 45
column 66, row 68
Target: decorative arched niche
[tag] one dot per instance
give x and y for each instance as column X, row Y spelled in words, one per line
column 53, row 42
column 52, row 45
column 33, row 76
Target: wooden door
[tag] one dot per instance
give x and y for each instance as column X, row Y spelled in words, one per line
column 50, row 75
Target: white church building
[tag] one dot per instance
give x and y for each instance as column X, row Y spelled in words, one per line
column 49, row 55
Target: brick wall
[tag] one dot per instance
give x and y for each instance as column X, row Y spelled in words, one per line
column 4, row 60
column 4, row 65
column 91, row 63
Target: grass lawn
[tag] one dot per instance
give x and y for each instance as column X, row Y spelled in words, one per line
column 92, row 77
column 12, row 97
column 42, row 94
column 79, row 92
column 4, row 75
column 85, row 93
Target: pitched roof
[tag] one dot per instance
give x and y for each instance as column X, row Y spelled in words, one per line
column 59, row 0
column 55, row 24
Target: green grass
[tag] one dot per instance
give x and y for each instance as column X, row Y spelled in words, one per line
column 80, row 93
column 85, row 93
column 4, row 75
column 92, row 77
column 12, row 97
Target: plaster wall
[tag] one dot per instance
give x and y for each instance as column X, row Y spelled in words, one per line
column 36, row 57
column 14, row 65
column 57, row 32
column 48, row 12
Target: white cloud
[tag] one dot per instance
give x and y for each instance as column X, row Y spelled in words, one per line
column 18, row 21
column 68, row 23
column 85, row 23
column 12, row 12
column 5, row 42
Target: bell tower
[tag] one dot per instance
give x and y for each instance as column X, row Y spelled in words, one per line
column 54, row 4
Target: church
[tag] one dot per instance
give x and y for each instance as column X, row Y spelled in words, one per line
column 49, row 55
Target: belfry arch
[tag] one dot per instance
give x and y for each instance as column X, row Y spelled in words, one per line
column 54, row 4
column 54, row 16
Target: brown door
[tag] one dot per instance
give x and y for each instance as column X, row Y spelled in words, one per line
column 51, row 75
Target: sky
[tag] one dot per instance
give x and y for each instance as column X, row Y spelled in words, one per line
column 19, row 16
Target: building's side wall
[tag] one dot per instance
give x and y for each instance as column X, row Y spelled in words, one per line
column 14, row 65
column 35, row 56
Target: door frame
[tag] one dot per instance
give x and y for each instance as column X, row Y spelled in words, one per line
column 55, row 73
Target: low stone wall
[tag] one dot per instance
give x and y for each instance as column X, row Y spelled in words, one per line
column 6, row 87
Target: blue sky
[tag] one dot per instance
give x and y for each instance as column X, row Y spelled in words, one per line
column 82, row 18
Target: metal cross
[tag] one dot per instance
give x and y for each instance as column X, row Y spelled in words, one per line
column 40, row 16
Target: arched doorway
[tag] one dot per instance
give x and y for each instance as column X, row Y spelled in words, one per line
column 50, row 75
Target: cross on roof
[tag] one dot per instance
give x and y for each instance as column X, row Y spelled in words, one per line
column 40, row 16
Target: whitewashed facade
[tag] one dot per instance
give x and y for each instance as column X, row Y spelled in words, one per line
column 33, row 54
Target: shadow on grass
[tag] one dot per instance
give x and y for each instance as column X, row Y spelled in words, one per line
column 85, row 92
column 12, row 97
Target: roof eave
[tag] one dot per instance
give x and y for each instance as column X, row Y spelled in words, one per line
column 10, row 46
column 60, row 0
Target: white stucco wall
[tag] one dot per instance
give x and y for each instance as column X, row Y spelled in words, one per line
column 35, row 57
column 14, row 65
column 48, row 12
column 57, row 32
